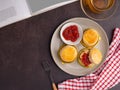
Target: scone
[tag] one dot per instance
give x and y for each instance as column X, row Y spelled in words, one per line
column 89, row 57
column 68, row 53
column 95, row 56
column 90, row 38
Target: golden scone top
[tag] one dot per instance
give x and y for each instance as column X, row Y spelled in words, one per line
column 68, row 53
column 90, row 37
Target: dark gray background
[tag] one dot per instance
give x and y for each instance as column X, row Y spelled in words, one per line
column 25, row 44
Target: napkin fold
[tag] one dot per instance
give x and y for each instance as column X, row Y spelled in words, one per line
column 107, row 76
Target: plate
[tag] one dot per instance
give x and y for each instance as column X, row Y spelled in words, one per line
column 101, row 16
column 74, row 68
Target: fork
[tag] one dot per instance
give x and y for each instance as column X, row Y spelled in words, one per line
column 47, row 68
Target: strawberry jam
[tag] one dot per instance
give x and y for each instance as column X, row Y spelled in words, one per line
column 85, row 59
column 71, row 33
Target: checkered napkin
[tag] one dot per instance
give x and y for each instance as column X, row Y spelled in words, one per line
column 107, row 76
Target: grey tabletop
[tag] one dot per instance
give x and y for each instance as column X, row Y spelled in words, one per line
column 25, row 44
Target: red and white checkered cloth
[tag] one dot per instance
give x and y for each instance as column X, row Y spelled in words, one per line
column 107, row 76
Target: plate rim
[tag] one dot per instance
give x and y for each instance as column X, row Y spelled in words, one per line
column 71, row 19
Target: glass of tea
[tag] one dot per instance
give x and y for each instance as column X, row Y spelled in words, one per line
column 99, row 9
column 98, row 6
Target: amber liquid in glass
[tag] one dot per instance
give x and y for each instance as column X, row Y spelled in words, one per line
column 98, row 6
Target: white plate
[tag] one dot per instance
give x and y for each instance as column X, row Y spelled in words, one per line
column 74, row 68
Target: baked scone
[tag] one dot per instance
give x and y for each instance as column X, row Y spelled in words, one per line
column 90, row 38
column 89, row 57
column 83, row 58
column 68, row 53
column 95, row 56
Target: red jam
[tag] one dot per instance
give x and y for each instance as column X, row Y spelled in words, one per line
column 85, row 59
column 71, row 33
